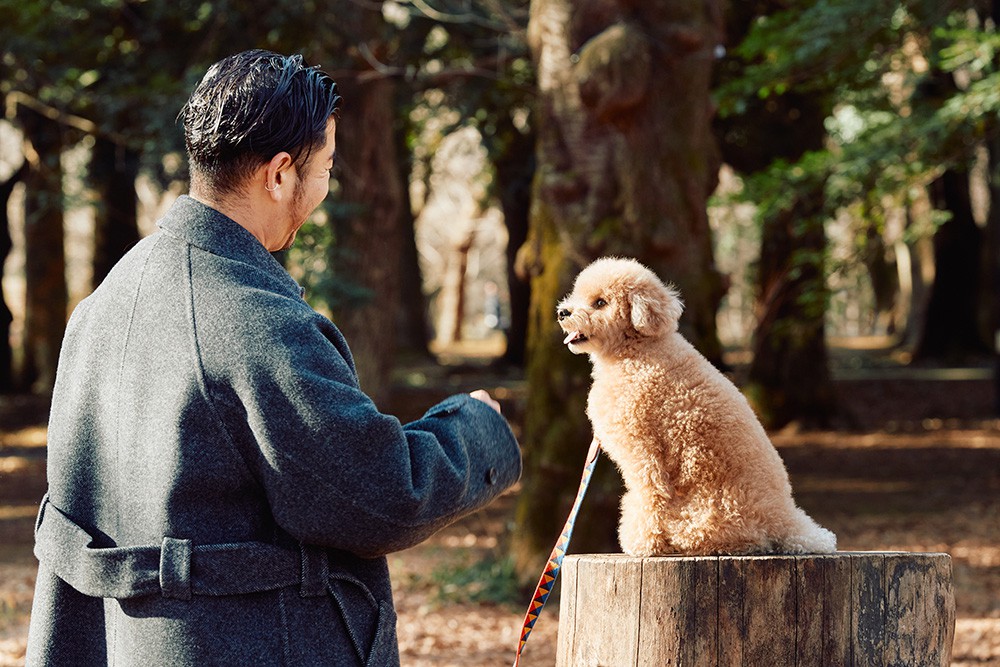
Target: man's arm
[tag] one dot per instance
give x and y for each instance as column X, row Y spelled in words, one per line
column 339, row 473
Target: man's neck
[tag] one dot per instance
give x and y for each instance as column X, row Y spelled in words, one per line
column 235, row 208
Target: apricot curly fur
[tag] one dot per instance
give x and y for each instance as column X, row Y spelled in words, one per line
column 701, row 474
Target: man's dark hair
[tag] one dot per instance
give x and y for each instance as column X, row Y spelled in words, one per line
column 248, row 108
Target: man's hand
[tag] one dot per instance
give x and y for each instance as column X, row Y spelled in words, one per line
column 484, row 396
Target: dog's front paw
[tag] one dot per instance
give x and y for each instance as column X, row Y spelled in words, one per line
column 643, row 545
column 636, row 552
column 648, row 550
column 640, row 532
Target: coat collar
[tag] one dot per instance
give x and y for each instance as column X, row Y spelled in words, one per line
column 208, row 229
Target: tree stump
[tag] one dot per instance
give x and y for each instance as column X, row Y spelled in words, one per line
column 867, row 608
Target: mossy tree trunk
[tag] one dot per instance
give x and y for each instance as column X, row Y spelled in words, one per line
column 626, row 161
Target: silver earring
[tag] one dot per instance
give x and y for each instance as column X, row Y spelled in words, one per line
column 276, row 186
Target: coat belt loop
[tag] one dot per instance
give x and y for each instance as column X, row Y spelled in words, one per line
column 175, row 568
column 41, row 513
column 315, row 571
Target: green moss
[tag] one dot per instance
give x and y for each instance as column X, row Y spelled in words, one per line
column 557, row 432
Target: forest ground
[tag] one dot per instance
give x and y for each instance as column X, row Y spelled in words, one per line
column 913, row 464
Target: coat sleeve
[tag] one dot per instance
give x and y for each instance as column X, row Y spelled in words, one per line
column 336, row 471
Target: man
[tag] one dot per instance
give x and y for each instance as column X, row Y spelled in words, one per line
column 220, row 490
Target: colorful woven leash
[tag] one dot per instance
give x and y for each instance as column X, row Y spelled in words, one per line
column 551, row 572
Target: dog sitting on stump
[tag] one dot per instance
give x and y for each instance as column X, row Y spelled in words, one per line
column 701, row 474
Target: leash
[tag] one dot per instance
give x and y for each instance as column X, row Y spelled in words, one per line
column 551, row 571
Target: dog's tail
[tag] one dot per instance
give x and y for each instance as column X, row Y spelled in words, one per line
column 807, row 537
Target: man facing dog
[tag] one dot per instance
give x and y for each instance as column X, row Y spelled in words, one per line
column 220, row 490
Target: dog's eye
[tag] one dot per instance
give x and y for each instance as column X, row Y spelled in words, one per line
column 600, row 303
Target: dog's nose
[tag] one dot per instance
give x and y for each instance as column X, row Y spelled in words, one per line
column 563, row 313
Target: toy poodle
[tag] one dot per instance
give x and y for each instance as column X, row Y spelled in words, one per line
column 701, row 474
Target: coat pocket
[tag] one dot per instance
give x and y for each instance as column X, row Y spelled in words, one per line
column 370, row 623
column 385, row 650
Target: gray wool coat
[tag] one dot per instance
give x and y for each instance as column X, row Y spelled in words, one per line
column 221, row 492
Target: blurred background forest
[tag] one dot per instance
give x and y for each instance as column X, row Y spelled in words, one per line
column 820, row 179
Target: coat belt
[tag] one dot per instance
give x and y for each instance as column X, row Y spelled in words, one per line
column 175, row 568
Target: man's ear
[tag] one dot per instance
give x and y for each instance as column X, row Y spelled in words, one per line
column 654, row 308
column 278, row 173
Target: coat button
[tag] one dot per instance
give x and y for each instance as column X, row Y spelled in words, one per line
column 491, row 476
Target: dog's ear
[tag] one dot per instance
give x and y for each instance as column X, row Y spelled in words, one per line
column 655, row 308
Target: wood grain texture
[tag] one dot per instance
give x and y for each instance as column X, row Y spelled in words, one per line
column 862, row 609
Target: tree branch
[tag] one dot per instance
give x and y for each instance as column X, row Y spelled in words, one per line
column 85, row 125
column 436, row 15
column 424, row 80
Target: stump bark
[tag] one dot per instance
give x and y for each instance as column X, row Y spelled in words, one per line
column 867, row 608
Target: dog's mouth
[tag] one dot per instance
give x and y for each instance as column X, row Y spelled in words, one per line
column 574, row 338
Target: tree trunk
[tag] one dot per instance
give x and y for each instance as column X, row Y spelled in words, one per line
column 916, row 272
column 371, row 235
column 993, row 239
column 413, row 338
column 45, row 261
column 951, row 326
column 993, row 261
column 7, row 384
column 453, row 290
column 515, row 168
column 113, row 170
column 414, row 329
column 789, row 376
column 884, row 279
column 625, row 164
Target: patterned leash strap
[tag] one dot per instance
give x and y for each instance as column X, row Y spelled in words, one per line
column 551, row 572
